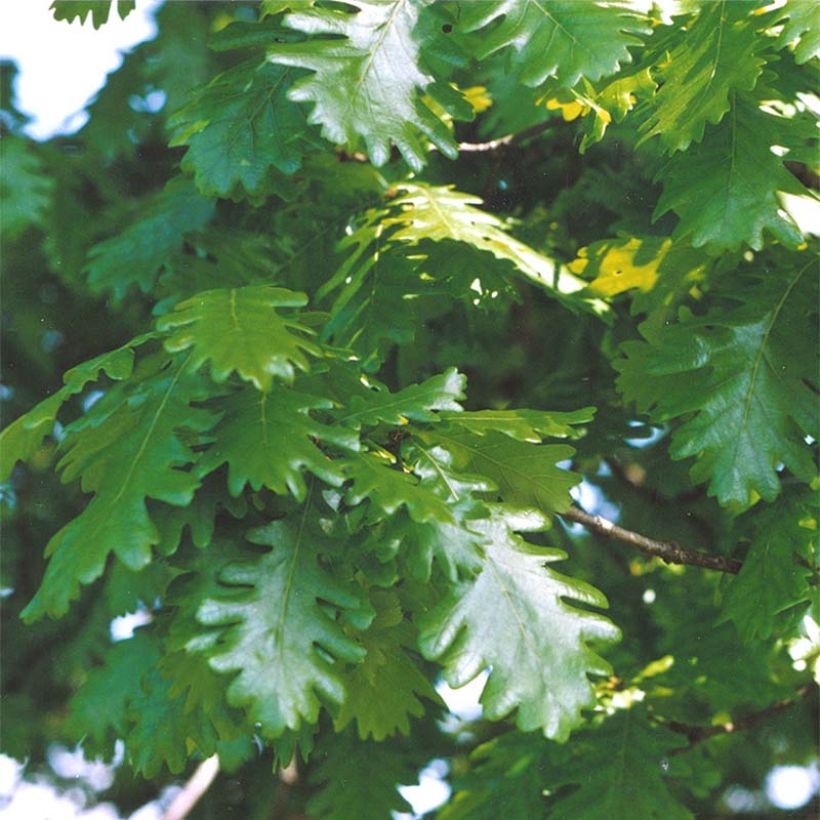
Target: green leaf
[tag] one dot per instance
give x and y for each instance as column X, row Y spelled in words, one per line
column 772, row 580
column 25, row 186
column 277, row 631
column 719, row 53
column 522, row 425
column 801, row 28
column 439, row 213
column 136, row 254
column 620, row 768
column 383, row 691
column 21, row 439
column 725, row 189
column 237, row 329
column 268, row 438
column 358, row 779
column 242, row 132
column 507, row 619
column 740, row 381
column 525, row 473
column 99, row 10
column 565, row 40
column 388, row 489
column 416, row 402
column 134, row 454
column 97, row 713
column 367, row 78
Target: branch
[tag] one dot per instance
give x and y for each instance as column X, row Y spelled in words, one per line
column 667, row 551
column 697, row 734
column 193, row 790
column 512, row 139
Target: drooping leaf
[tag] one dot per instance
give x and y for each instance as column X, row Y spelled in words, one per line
column 525, row 473
column 237, row 329
column 620, row 768
column 242, row 132
column 267, row 439
column 367, row 78
column 776, row 571
column 416, row 402
column 20, row 440
column 739, row 378
column 383, row 691
column 719, row 53
column 565, row 40
column 99, row 10
column 134, row 454
column 136, row 255
column 351, row 785
column 25, row 187
column 275, row 630
column 725, row 189
column 514, row 620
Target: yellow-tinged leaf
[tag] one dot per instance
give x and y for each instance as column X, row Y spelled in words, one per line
column 619, row 270
column 478, row 97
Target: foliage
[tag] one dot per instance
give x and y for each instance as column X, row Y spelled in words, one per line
column 327, row 349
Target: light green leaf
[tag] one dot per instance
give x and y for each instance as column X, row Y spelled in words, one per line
column 523, row 425
column 25, row 186
column 525, row 473
column 268, row 438
column 383, row 691
column 21, row 439
column 514, row 620
column 565, row 40
column 390, row 489
column 416, row 402
column 367, row 79
column 801, row 29
column 740, row 380
column 438, row 212
column 277, row 631
column 237, row 329
column 720, row 52
column 134, row 454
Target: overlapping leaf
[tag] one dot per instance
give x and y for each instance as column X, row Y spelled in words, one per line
column 99, row 10
column 383, row 691
column 21, row 438
column 740, row 380
column 719, row 53
column 242, row 132
column 134, row 453
column 514, row 619
column 620, row 767
column 367, row 78
column 136, row 255
column 725, row 189
column 277, row 630
column 776, row 571
column 237, row 329
column 566, row 40
column 801, row 28
column 267, row 439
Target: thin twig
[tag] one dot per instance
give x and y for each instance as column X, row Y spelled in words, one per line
column 193, row 790
column 511, row 139
column 667, row 551
column 697, row 734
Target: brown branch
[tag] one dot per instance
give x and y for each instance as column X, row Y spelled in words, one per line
column 193, row 790
column 697, row 734
column 667, row 551
column 512, row 139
